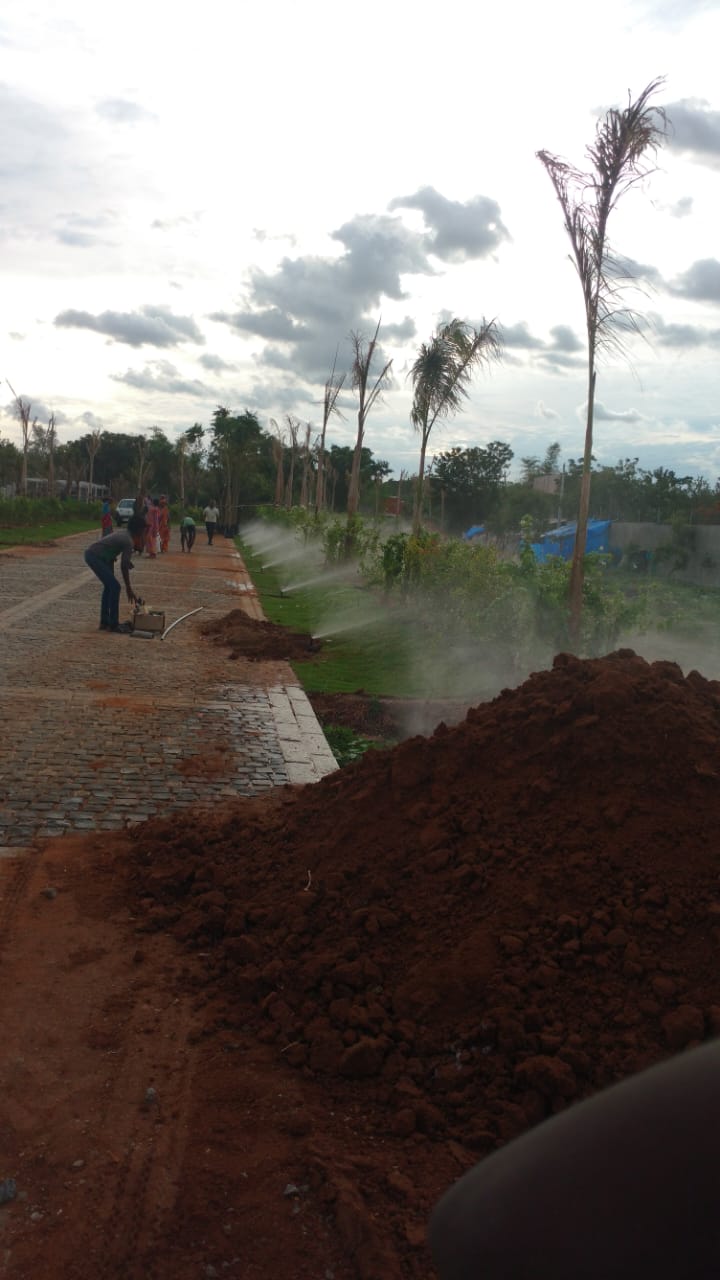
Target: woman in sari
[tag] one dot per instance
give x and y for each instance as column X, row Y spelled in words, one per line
column 152, row 528
column 164, row 524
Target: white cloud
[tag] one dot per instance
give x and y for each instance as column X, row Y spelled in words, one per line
column 134, row 167
column 153, row 326
column 542, row 411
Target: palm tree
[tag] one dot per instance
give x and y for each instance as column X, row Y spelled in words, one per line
column 293, row 425
column 441, row 378
column 363, row 354
column 333, row 387
column 587, row 198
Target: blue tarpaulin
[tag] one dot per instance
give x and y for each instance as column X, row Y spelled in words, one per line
column 474, row 530
column 561, row 541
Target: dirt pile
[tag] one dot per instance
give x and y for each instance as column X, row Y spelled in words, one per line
column 463, row 935
column 251, row 638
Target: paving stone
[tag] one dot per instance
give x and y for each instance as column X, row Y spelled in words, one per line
column 90, row 704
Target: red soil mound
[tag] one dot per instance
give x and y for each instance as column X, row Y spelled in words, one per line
column 467, row 933
column 255, row 639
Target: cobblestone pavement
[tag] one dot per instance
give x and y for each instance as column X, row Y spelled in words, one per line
column 101, row 729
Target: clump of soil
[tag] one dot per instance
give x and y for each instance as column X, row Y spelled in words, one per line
column 256, row 640
column 466, row 934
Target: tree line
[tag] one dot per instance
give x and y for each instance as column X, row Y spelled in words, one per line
column 234, row 461
column 241, row 464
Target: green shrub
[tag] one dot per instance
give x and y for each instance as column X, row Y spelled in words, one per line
column 23, row 513
column 345, row 745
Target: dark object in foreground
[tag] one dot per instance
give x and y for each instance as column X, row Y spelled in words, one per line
column 8, row 1190
column 623, row 1185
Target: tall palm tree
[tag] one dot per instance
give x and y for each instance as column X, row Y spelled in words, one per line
column 293, row 425
column 441, row 377
column 333, row 387
column 364, row 351
column 587, row 198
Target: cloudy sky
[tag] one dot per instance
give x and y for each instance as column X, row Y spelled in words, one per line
column 199, row 203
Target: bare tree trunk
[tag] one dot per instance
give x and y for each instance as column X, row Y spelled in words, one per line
column 292, row 424
column 290, row 480
column 363, row 358
column 420, row 487
column 333, row 387
column 92, row 447
column 305, row 468
column 279, row 452
column 401, row 477
column 320, row 480
column 228, row 497
column 141, row 445
column 23, row 408
column 354, row 486
column 577, row 569
column 51, row 436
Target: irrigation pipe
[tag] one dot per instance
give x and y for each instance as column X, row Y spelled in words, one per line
column 181, row 619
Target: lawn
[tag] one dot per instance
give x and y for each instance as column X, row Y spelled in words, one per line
column 366, row 644
column 42, row 533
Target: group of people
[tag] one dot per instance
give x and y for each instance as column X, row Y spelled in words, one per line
column 148, row 531
column 211, row 515
column 157, row 525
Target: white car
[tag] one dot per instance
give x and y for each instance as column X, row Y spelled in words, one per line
column 124, row 510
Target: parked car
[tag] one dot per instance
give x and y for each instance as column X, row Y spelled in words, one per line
column 124, row 510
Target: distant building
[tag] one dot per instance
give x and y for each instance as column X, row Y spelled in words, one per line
column 39, row 487
column 394, row 507
column 549, row 483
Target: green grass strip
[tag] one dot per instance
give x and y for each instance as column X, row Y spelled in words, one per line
column 368, row 645
column 41, row 533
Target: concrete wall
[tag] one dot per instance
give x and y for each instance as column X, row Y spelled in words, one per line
column 703, row 566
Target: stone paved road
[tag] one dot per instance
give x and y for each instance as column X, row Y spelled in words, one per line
column 101, row 729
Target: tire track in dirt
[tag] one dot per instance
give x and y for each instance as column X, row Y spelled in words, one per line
column 16, row 872
column 150, row 1124
column 96, row 1075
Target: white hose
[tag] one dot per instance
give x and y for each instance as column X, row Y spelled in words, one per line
column 181, row 619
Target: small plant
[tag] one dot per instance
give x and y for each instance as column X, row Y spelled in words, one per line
column 345, row 745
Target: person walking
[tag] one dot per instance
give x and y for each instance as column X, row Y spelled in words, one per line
column 211, row 515
column 106, row 520
column 187, row 533
column 100, row 556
